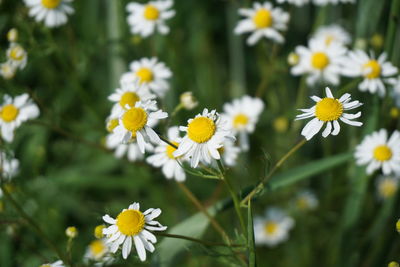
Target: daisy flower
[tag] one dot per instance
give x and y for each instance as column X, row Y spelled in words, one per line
column 263, row 20
column 128, row 95
column 379, row 151
column 146, row 19
column 131, row 225
column 229, row 152
column 52, row 12
column 164, row 158
column 332, row 33
column 329, row 110
column 8, row 166
column 320, row 62
column 335, row 2
column 98, row 251
column 273, row 228
column 7, row 70
column 306, row 200
column 133, row 123
column 17, row 56
column 54, row 264
column 151, row 73
column 206, row 133
column 374, row 71
column 242, row 115
column 295, row 2
column 188, row 101
column 15, row 111
column 387, row 186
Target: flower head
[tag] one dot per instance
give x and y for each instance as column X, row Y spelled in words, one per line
column 17, row 56
column 306, row 200
column 332, row 34
column 387, row 186
column 329, row 110
column 188, row 101
column 52, row 12
column 131, row 225
column 98, row 251
column 8, row 166
column 12, row 35
column 7, row 70
column 71, row 232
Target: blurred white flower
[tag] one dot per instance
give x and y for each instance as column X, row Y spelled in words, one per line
column 188, row 101
column 17, row 56
column 295, row 2
column 263, row 20
column 52, row 12
column 273, row 228
column 374, row 71
column 13, row 112
column 329, row 110
column 335, row 2
column 320, row 62
column 54, row 264
column 7, row 70
column 151, row 74
column 98, row 251
column 293, row 59
column 306, row 200
column 378, row 151
column 387, row 186
column 12, row 35
column 229, row 152
column 145, row 19
column 395, row 82
column 8, row 166
column 331, row 34
column 131, row 225
column 71, row 232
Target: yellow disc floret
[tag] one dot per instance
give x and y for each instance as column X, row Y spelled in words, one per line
column 145, row 75
column 98, row 231
column 382, row 153
column 263, row 18
column 129, row 98
column 151, row 12
column 387, row 188
column 170, row 150
column 51, row 3
column 270, row 227
column 240, row 121
column 328, row 109
column 374, row 69
column 201, row 129
column 319, row 60
column 97, row 248
column 111, row 124
column 17, row 53
column 134, row 119
column 130, row 222
column 9, row 113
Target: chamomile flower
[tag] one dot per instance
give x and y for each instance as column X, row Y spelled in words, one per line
column 334, row 2
column 98, row 251
column 133, row 123
column 52, row 12
column 17, row 56
column 151, row 74
column 273, row 228
column 12, row 35
column 145, row 19
column 128, row 95
column 387, row 186
column 8, row 166
column 295, row 2
column 54, row 264
column 374, row 71
column 320, row 62
column 7, row 70
column 332, row 33
column 242, row 115
column 164, row 157
column 263, row 20
column 229, row 152
column 329, row 110
column 206, row 133
column 379, row 151
column 131, row 225
column 306, row 200
column 13, row 112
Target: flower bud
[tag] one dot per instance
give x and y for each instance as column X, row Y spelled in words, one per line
column 71, row 232
column 188, row 101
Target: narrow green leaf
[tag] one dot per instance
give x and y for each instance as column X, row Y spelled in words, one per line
column 250, row 237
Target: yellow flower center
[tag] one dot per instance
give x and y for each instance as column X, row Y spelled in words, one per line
column 129, row 98
column 387, row 188
column 98, row 231
column 271, row 227
column 111, row 124
column 9, row 112
column 170, row 150
column 319, row 60
column 201, row 129
column 17, row 53
column 240, row 121
column 328, row 109
column 263, row 18
column 151, row 12
column 382, row 153
column 374, row 69
column 145, row 75
column 51, row 3
column 302, row 203
column 97, row 248
column 134, row 119
column 329, row 39
column 130, row 222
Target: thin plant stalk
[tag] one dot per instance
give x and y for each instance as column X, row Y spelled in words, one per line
column 203, row 242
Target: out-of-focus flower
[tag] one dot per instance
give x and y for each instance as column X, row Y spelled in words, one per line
column 188, row 101
column 242, row 115
column 52, row 12
column 145, row 19
column 295, row 2
column 334, row 2
column 331, row 34
column 320, row 62
column 12, row 35
column 151, row 74
column 164, row 157
column 395, row 82
column 281, row 124
column 98, row 251
column 329, row 110
column 206, row 133
column 54, row 264
column 71, row 232
column 131, row 225
column 378, row 151
column 293, row 59
column 263, row 20
column 17, row 56
column 374, row 71
column 377, row 41
column 306, row 200
column 229, row 152
column 13, row 112
column 134, row 123
column 7, row 70
column 98, row 231
column 8, row 166
column 273, row 228
column 393, row 264
column 398, row 226
column 394, row 113
column 387, row 186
